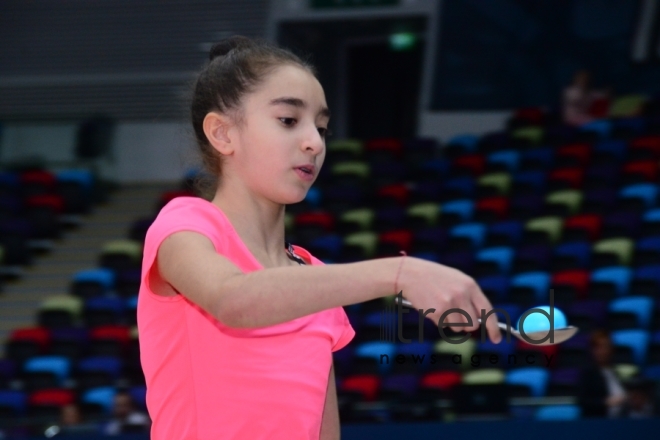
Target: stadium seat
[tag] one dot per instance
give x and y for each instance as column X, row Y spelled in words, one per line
column 636, row 339
column 475, row 232
column 507, row 233
column 550, row 227
column 485, row 376
column 529, row 287
column 646, row 192
column 102, row 396
column 507, row 159
column 495, row 287
column 627, row 106
column 501, row 257
column 571, row 255
column 558, row 412
column 609, row 282
column 641, row 306
column 92, row 282
column 536, row 378
column 38, row 367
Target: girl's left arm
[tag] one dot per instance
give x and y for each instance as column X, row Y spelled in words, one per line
column 330, row 422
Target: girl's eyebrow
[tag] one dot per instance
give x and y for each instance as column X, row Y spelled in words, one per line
column 298, row 103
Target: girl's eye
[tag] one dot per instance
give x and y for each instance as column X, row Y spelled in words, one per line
column 288, row 121
column 325, row 132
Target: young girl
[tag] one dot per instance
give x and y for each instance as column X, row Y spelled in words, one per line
column 236, row 327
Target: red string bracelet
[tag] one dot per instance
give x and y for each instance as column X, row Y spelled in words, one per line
column 396, row 281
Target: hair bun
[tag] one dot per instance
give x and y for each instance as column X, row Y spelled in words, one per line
column 223, row 47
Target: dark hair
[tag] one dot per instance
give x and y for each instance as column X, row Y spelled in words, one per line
column 236, row 66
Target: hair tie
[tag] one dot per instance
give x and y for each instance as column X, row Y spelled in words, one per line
column 396, row 280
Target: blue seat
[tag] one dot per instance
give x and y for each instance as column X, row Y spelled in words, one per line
column 429, row 256
column 652, row 372
column 131, row 303
column 465, row 185
column 502, row 349
column 437, row 166
column 103, row 396
column 537, row 179
column 82, row 177
column 414, row 347
column 474, row 231
column 495, row 286
column 512, row 228
column 314, row 197
column 60, row 366
column 139, row 395
column 512, row 310
column 650, row 273
column 17, row 400
column 642, row 306
column 376, row 349
column 618, row 275
column 108, row 364
column 510, row 158
column 636, row 125
column 558, row 412
column 545, row 155
column 538, row 282
column 652, row 215
column 648, row 244
column 103, row 276
column 468, row 142
column 105, row 303
column 461, row 207
column 614, row 147
column 602, row 127
column 648, row 192
column 536, row 378
column 637, row 340
column 580, row 250
column 331, row 243
column 502, row 255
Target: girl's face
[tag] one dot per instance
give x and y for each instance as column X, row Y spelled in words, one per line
column 284, row 126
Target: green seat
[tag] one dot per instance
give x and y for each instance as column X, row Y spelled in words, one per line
column 429, row 211
column 127, row 247
column 465, row 350
column 486, row 376
column 133, row 331
column 351, row 167
column 367, row 240
column 67, row 303
column 551, row 225
column 621, row 247
column 502, row 181
column 626, row 371
column 532, row 134
column 572, row 198
column 364, row 217
column 353, row 146
column 626, row 106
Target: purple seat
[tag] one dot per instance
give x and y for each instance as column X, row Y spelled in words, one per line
column 606, row 175
column 494, row 286
column 559, row 134
column 594, row 309
column 512, row 230
column 426, row 191
column 402, row 383
column 461, row 260
column 527, row 206
column 621, row 224
column 600, row 200
column 578, row 342
column 390, row 217
column 429, row 239
column 533, row 257
column 565, row 376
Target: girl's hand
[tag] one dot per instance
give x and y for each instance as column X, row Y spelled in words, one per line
column 430, row 285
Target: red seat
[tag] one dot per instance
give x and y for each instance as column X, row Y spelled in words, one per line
column 574, row 176
column 401, row 238
column 52, row 396
column 475, row 163
column 41, row 177
column 533, row 115
column 576, row 278
column 39, row 335
column 443, row 380
column 591, row 222
column 54, row 201
column 499, row 205
column 322, row 219
column 549, row 351
column 119, row 333
column 399, row 192
column 366, row 384
column 646, row 168
column 393, row 145
column 651, row 143
column 582, row 152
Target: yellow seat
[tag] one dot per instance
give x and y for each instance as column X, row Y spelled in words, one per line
column 486, row 376
column 367, row 240
column 552, row 225
column 621, row 247
column 429, row 211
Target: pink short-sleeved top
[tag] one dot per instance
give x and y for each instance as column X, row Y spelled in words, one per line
column 208, row 381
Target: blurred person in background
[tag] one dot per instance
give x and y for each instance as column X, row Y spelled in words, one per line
column 602, row 393
column 640, row 398
column 126, row 418
column 580, row 102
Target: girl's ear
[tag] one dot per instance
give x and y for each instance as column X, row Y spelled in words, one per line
column 216, row 127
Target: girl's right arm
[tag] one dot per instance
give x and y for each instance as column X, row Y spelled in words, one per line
column 189, row 263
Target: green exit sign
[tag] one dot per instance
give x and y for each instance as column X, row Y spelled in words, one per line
column 351, row 3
